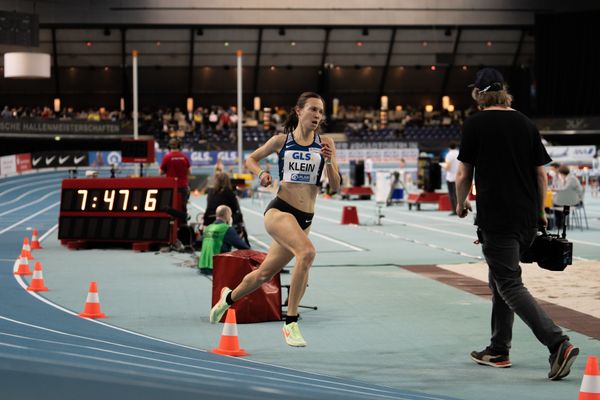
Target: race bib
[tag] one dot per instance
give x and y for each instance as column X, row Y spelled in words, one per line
column 301, row 166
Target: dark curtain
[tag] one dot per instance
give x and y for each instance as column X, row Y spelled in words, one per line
column 567, row 51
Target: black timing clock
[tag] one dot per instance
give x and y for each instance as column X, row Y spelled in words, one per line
column 118, row 210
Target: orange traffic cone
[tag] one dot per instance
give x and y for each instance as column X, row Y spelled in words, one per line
column 590, row 385
column 229, row 345
column 23, row 268
column 92, row 304
column 37, row 282
column 26, row 249
column 35, row 243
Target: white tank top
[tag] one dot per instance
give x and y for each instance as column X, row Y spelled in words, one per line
column 301, row 164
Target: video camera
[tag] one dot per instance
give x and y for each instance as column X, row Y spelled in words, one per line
column 551, row 251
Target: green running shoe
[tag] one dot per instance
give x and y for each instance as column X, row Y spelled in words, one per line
column 216, row 313
column 292, row 335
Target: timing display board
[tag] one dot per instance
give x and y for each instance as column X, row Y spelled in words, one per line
column 124, row 209
column 137, row 150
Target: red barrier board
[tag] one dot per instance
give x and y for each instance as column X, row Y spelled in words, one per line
column 262, row 305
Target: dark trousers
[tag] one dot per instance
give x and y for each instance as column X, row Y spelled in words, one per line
column 452, row 194
column 184, row 196
column 510, row 296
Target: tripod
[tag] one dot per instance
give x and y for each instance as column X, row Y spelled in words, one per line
column 285, row 303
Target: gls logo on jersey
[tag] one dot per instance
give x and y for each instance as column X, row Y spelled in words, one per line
column 301, row 155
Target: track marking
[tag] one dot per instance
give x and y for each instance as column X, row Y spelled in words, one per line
column 348, row 245
column 28, row 204
column 260, row 242
column 28, row 218
column 48, row 233
column 43, row 188
column 20, row 179
column 288, row 376
column 414, row 225
column 21, row 186
column 456, row 220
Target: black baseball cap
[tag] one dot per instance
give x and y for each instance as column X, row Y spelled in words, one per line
column 488, row 80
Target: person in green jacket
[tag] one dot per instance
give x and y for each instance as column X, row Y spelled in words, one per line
column 218, row 237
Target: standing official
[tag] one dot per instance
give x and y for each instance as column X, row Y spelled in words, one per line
column 176, row 165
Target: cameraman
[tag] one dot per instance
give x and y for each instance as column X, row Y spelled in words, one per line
column 503, row 149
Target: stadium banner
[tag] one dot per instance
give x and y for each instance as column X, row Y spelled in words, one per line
column 53, row 159
column 204, row 158
column 8, row 165
column 23, row 162
column 104, row 158
column 572, row 154
column 379, row 156
column 58, row 127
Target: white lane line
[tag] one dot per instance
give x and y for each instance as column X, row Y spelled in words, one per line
column 581, row 258
column 48, row 233
column 419, row 242
column 584, row 242
column 22, row 283
column 19, row 180
column 410, row 224
column 348, row 245
column 14, row 346
column 250, row 379
column 413, row 214
column 28, row 218
column 287, row 377
column 185, row 366
column 260, row 242
column 440, row 219
column 392, row 235
column 29, row 192
column 21, row 186
column 337, row 241
column 28, row 204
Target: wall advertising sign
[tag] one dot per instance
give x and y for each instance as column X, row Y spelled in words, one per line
column 8, row 165
column 53, row 159
column 104, row 158
column 204, row 158
column 572, row 154
column 23, row 162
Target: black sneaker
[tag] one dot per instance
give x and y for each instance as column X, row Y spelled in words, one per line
column 561, row 361
column 488, row 357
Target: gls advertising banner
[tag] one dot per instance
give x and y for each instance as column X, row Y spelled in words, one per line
column 51, row 159
column 204, row 158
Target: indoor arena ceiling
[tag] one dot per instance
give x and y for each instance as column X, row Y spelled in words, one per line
column 283, row 33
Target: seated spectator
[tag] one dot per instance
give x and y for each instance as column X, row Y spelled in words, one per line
column 221, row 193
column 218, row 237
column 569, row 192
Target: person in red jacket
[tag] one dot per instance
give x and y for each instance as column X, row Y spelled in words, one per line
column 176, row 165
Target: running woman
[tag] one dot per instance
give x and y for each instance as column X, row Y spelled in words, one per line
column 303, row 157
